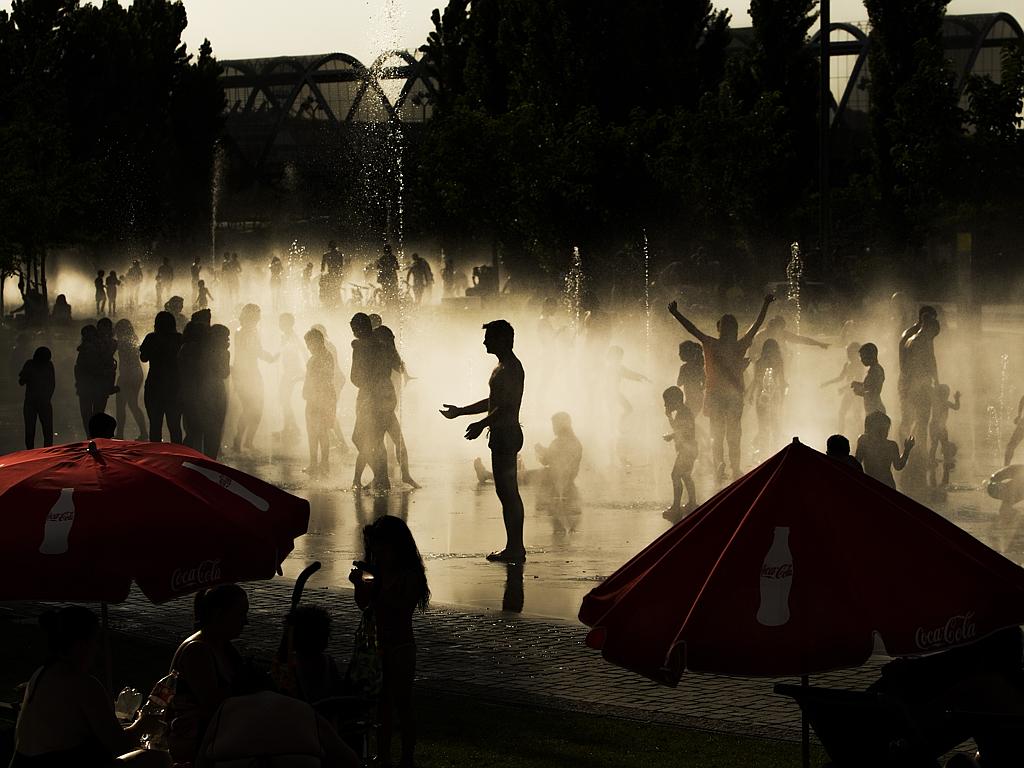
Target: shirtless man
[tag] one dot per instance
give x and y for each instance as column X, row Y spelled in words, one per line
column 925, row 352
column 506, row 435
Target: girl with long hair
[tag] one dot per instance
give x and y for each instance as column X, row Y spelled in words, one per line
column 392, row 426
column 129, row 380
column 391, row 582
column 160, row 350
column 247, row 379
column 767, row 393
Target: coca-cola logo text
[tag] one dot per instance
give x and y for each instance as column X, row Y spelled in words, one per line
column 201, row 575
column 781, row 571
column 956, row 630
column 61, row 517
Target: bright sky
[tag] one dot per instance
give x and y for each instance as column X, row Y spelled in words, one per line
column 261, row 28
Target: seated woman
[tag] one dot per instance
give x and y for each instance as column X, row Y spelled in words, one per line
column 209, row 668
column 67, row 718
column 61, row 310
column 391, row 583
column 560, row 459
column 557, row 493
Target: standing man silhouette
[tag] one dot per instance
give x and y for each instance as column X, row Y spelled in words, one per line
column 371, row 374
column 505, row 434
column 387, row 275
column 101, row 295
column 134, row 280
column 113, row 281
column 332, row 276
column 195, row 272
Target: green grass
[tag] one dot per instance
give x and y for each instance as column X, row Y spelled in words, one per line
column 458, row 731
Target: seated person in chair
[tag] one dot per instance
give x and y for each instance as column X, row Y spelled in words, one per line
column 985, row 677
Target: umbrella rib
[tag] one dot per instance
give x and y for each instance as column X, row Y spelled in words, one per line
column 939, row 526
column 123, row 461
column 721, row 556
column 264, row 535
column 718, row 498
column 153, row 471
column 945, row 531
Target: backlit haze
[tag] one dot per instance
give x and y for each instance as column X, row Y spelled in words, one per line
column 242, row 29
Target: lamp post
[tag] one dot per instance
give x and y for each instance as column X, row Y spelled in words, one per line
column 825, row 109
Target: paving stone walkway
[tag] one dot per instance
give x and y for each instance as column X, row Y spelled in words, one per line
column 502, row 657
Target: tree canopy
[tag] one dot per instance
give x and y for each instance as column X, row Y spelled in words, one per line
column 107, row 125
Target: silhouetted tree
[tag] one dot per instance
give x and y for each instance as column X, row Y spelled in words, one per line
column 916, row 123
column 107, row 126
column 535, row 141
column 993, row 177
column 776, row 79
column 445, row 52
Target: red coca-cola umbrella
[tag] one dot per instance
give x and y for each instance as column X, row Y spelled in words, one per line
column 83, row 521
column 792, row 570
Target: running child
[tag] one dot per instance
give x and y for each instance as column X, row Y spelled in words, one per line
column 877, row 453
column 871, row 388
column 941, row 406
column 846, row 378
column 684, row 437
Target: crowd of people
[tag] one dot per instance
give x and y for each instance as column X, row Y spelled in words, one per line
column 216, row 705
column 193, row 363
column 712, row 381
column 195, row 367
column 342, row 280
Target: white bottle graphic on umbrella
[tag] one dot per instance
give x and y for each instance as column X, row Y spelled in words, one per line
column 59, row 520
column 776, row 581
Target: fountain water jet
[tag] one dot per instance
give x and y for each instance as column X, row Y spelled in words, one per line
column 647, row 300
column 768, row 391
column 574, row 288
column 794, row 275
column 992, row 438
column 1003, row 416
column 296, row 263
column 216, row 182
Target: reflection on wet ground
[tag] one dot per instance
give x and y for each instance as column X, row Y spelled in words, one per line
column 456, row 522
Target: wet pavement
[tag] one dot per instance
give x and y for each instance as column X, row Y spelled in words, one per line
column 508, row 634
column 511, row 633
column 457, row 521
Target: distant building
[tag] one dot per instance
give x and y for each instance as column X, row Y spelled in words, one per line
column 299, row 128
column 277, row 105
column 973, row 43
column 269, row 100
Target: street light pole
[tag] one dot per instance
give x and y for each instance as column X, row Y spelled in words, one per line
column 824, row 145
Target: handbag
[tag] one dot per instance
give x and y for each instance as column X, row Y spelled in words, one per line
column 363, row 676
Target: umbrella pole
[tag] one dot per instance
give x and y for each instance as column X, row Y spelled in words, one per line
column 805, row 731
column 107, row 674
